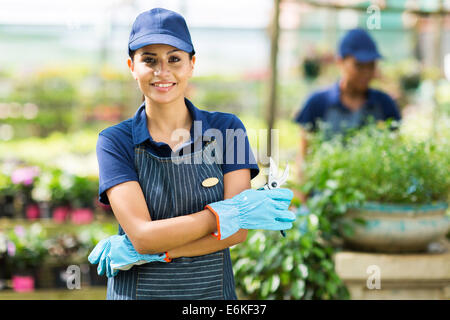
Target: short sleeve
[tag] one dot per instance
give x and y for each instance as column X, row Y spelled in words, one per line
column 307, row 115
column 237, row 151
column 115, row 165
column 391, row 110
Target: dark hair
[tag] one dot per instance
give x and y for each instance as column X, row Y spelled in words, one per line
column 131, row 53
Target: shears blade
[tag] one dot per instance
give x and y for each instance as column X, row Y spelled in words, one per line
column 274, row 180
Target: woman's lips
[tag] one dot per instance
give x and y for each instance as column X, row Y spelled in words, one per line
column 163, row 86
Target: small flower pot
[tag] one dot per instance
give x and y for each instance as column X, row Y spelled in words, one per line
column 395, row 228
column 60, row 214
column 23, row 282
column 32, row 212
column 82, row 216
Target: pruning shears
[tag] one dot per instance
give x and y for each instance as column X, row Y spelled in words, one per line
column 274, row 181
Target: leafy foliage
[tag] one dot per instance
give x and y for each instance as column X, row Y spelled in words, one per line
column 382, row 164
column 26, row 247
column 374, row 163
column 299, row 266
column 30, row 246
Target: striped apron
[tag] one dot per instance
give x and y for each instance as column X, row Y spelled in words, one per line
column 338, row 120
column 173, row 187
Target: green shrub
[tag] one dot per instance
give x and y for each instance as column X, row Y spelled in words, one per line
column 27, row 247
column 371, row 164
column 300, row 266
column 382, row 164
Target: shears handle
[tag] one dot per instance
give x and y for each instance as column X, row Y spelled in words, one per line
column 267, row 187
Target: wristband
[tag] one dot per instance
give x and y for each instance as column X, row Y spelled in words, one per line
column 167, row 258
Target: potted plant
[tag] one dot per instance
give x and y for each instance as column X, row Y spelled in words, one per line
column 384, row 190
column 26, row 251
column 6, row 196
column 83, row 193
column 3, row 266
column 23, row 178
column 60, row 197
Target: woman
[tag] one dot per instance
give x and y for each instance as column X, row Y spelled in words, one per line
column 166, row 173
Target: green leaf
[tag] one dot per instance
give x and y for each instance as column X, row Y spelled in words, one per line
column 251, row 284
column 285, row 278
column 348, row 230
column 319, row 253
column 302, row 270
column 265, row 288
column 331, row 287
column 327, row 265
column 298, row 289
column 274, row 283
column 288, row 263
column 332, row 184
column 360, row 221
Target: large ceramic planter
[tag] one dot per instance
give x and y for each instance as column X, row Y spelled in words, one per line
column 396, row 228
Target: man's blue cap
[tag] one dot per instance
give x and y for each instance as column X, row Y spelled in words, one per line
column 160, row 26
column 359, row 44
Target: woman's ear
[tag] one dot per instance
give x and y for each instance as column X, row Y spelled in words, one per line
column 131, row 67
column 192, row 65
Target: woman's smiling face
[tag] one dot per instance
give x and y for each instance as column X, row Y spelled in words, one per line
column 162, row 72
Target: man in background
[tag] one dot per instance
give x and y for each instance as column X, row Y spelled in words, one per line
column 350, row 102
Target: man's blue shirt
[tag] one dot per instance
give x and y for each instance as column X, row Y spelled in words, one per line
column 325, row 106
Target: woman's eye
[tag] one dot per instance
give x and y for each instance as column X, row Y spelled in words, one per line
column 174, row 59
column 149, row 60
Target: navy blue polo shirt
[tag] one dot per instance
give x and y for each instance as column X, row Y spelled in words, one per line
column 115, row 145
column 326, row 106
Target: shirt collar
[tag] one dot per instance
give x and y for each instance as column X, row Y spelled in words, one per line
column 335, row 93
column 140, row 131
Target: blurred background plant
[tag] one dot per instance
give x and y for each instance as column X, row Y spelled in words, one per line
column 75, row 244
column 385, row 165
column 299, row 266
column 26, row 247
column 374, row 164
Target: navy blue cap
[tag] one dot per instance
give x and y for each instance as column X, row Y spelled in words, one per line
column 160, row 26
column 359, row 44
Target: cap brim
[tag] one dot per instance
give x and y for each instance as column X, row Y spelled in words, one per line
column 160, row 39
column 366, row 56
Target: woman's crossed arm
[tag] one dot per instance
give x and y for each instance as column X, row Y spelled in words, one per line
column 188, row 235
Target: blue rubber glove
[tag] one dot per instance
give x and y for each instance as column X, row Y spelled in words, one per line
column 117, row 253
column 100, row 255
column 253, row 209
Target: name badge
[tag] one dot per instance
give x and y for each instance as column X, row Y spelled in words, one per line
column 210, row 182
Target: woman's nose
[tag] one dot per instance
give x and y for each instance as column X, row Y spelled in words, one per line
column 159, row 69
